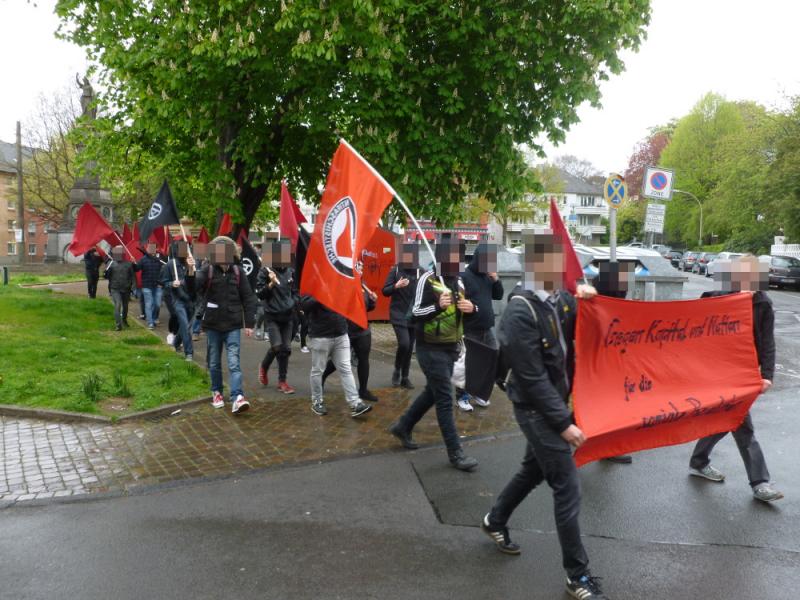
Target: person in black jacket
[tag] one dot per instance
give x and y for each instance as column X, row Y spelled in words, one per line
column 361, row 345
column 481, row 286
column 91, row 264
column 277, row 290
column 179, row 275
column 121, row 275
column 328, row 340
column 439, row 309
column 400, row 285
column 536, row 336
column 746, row 274
column 150, row 267
column 230, row 304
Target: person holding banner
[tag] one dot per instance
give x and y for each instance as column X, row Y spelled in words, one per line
column 536, row 336
column 400, row 285
column 179, row 276
column 121, row 275
column 438, row 311
column 277, row 289
column 745, row 274
column 91, row 264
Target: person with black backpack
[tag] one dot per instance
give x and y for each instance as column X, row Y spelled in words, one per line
column 438, row 311
column 277, row 289
column 400, row 285
column 230, row 304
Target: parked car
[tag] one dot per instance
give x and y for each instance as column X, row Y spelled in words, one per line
column 687, row 260
column 700, row 266
column 710, row 267
column 675, row 257
column 661, row 249
column 784, row 271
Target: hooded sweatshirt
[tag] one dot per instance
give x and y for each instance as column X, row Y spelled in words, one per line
column 480, row 290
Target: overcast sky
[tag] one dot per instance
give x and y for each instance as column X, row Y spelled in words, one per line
column 742, row 49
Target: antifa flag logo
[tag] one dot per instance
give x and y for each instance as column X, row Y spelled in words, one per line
column 155, row 210
column 339, row 236
column 247, row 266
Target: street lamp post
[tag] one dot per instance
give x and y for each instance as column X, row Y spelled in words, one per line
column 700, row 240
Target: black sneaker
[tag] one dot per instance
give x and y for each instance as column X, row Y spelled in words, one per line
column 406, row 384
column 396, row 378
column 404, row 436
column 359, row 409
column 368, row 396
column 585, row 587
column 462, row 462
column 500, row 537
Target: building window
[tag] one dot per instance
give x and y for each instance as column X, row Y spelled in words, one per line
column 32, row 249
column 584, row 220
column 32, row 228
column 587, row 200
column 12, row 224
column 12, row 248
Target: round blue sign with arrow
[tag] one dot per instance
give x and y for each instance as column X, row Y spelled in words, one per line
column 615, row 190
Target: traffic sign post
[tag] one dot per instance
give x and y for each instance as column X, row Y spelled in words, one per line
column 657, row 183
column 615, row 192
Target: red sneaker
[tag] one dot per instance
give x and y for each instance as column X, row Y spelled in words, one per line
column 262, row 376
column 285, row 388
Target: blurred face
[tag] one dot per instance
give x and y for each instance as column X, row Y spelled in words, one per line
column 487, row 260
column 746, row 274
column 616, row 276
column 409, row 256
column 544, row 262
column 220, row 254
column 277, row 254
column 118, row 253
column 200, row 250
column 181, row 249
column 151, row 249
column 449, row 254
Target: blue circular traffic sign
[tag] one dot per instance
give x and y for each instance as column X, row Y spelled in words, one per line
column 658, row 181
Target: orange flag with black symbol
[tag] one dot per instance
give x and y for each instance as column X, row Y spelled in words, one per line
column 354, row 199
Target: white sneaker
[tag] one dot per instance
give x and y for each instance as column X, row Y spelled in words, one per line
column 480, row 402
column 217, row 401
column 170, row 339
column 305, row 350
column 239, row 405
column 464, row 405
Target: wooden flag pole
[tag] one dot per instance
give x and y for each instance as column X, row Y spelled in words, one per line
column 124, row 246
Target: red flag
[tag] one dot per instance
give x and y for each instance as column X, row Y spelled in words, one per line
column 354, row 199
column 572, row 266
column 160, row 236
column 226, row 225
column 134, row 251
column 290, row 216
column 127, row 236
column 202, row 237
column 90, row 228
column 642, row 376
column 135, row 232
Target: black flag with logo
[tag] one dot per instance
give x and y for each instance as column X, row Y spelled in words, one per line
column 162, row 212
column 251, row 262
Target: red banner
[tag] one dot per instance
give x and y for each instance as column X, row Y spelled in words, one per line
column 354, row 199
column 572, row 266
column 90, row 228
column 652, row 374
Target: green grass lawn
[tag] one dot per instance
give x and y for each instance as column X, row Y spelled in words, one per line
column 34, row 279
column 61, row 352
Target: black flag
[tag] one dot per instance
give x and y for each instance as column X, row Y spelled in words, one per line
column 251, row 262
column 303, row 240
column 162, row 212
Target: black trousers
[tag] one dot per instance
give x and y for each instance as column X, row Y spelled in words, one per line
column 548, row 457
column 280, row 346
column 360, row 347
column 405, row 348
column 749, row 448
column 91, row 283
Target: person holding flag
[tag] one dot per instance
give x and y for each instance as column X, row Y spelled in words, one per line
column 91, row 264
column 121, row 275
column 150, row 268
column 179, row 276
column 399, row 286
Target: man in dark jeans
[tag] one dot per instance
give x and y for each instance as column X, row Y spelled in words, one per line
column 536, row 337
column 150, row 268
column 91, row 263
column 121, row 275
column 400, row 285
column 438, row 310
column 746, row 274
column 179, row 276
column 481, row 286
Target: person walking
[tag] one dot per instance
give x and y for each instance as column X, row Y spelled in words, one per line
column 179, row 276
column 438, row 311
column 230, row 304
column 399, row 286
column 150, row 268
column 361, row 345
column 745, row 274
column 277, row 289
column 536, row 335
column 327, row 340
column 121, row 275
column 91, row 265
column 481, row 286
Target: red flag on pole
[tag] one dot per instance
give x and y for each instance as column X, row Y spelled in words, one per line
column 90, row 228
column 160, row 237
column 127, row 236
column 226, row 225
column 354, row 199
column 202, row 236
column 289, row 219
column 572, row 266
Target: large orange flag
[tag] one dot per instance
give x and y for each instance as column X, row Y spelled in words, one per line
column 643, row 377
column 354, row 199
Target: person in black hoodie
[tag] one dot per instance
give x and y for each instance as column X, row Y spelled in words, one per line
column 481, row 286
column 121, row 275
column 150, row 267
column 536, row 335
column 230, row 304
column 361, row 345
column 400, row 285
column 438, row 310
column 179, row 275
column 745, row 274
column 91, row 264
column 277, row 290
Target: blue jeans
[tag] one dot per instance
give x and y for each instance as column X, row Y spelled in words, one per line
column 152, row 303
column 184, row 311
column 231, row 339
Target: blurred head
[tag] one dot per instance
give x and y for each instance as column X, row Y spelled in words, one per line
column 409, row 256
column 151, row 248
column 277, row 254
column 450, row 255
column 180, row 249
column 484, row 260
column 615, row 277
column 544, row 260
column 742, row 274
column 222, row 251
column 200, row 250
column 118, row 253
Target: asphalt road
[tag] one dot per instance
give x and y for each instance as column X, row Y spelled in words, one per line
column 404, row 525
